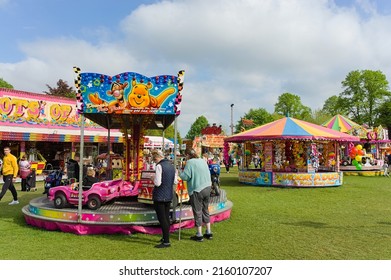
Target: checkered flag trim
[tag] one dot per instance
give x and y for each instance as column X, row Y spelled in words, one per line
column 178, row 99
column 79, row 98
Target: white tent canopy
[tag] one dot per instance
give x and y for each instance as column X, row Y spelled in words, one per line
column 157, row 142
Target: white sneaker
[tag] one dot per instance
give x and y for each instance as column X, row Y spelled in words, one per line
column 13, row 202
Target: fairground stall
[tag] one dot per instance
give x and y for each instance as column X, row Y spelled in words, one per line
column 132, row 103
column 292, row 153
column 372, row 148
column 211, row 141
column 46, row 128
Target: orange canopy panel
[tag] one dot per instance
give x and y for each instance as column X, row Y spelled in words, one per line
column 213, row 141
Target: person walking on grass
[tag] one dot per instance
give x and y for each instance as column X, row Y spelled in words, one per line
column 24, row 170
column 10, row 172
column 226, row 164
column 199, row 184
column 385, row 169
column 162, row 194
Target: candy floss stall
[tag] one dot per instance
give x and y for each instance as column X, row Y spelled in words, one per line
column 293, row 153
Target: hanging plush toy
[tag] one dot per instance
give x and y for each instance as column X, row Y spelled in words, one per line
column 332, row 161
column 314, row 156
column 298, row 155
column 279, row 155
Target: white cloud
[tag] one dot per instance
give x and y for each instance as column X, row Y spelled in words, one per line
column 50, row 60
column 242, row 52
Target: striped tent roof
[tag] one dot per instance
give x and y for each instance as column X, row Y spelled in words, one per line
column 290, row 128
column 340, row 123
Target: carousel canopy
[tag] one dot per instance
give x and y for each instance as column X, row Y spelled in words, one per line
column 340, row 123
column 129, row 99
column 290, row 128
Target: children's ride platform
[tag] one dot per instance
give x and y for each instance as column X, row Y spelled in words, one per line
column 132, row 103
column 123, row 216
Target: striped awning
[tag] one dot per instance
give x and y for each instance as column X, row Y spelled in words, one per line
column 41, row 137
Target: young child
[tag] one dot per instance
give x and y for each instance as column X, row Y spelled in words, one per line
column 24, row 172
column 90, row 179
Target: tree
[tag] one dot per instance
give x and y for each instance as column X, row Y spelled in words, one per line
column 364, row 92
column 385, row 115
column 290, row 105
column 332, row 106
column 256, row 116
column 4, row 84
column 319, row 117
column 195, row 129
column 168, row 133
column 62, row 90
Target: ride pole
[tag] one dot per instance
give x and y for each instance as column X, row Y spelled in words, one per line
column 180, row 212
column 81, row 164
column 79, row 106
column 175, row 162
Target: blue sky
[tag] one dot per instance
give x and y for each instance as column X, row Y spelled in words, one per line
column 382, row 7
column 23, row 21
column 245, row 52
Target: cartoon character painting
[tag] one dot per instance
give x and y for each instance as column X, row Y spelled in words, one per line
column 118, row 92
column 140, row 96
column 98, row 103
column 117, row 105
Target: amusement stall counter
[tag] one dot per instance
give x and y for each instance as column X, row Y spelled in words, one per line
column 301, row 154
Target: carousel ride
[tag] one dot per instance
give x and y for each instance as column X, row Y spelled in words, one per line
column 293, row 153
column 132, row 103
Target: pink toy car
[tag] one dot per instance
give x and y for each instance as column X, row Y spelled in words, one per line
column 93, row 197
column 129, row 189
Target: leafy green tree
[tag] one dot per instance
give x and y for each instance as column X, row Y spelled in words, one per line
column 319, row 116
column 276, row 116
column 62, row 89
column 332, row 106
column 254, row 118
column 364, row 92
column 4, row 84
column 385, row 115
column 168, row 133
column 305, row 114
column 195, row 129
column 290, row 105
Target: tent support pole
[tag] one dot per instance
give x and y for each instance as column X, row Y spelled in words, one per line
column 81, row 164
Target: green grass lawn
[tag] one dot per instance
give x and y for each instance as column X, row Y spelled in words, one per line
column 351, row 222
